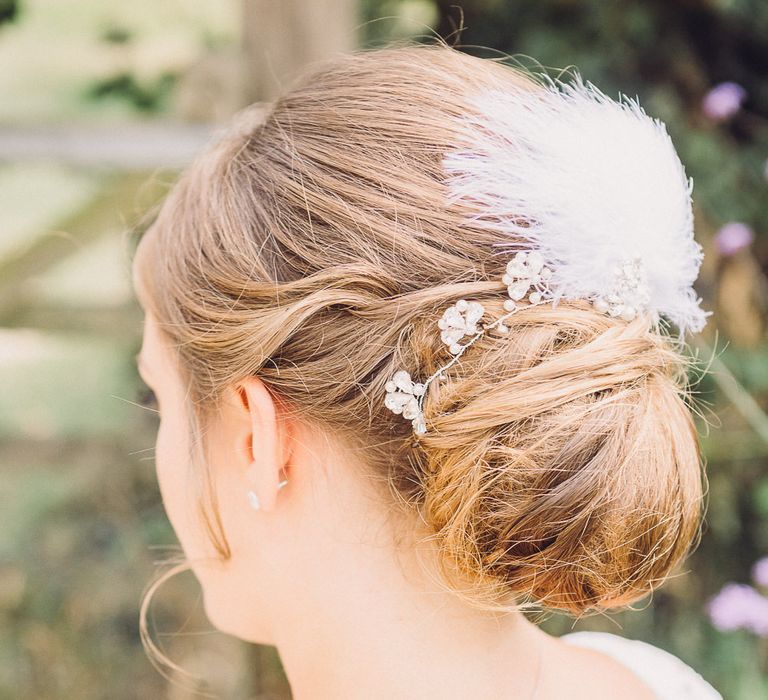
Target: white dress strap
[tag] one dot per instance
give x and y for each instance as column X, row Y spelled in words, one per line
column 668, row 676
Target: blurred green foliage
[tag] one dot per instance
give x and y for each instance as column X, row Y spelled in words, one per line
column 57, row 56
column 144, row 95
column 77, row 487
column 8, row 10
column 146, row 98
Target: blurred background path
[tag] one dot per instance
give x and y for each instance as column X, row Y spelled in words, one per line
column 124, row 147
column 101, row 105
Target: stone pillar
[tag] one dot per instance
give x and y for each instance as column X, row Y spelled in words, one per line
column 282, row 37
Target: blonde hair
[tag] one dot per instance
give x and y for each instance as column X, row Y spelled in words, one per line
column 313, row 248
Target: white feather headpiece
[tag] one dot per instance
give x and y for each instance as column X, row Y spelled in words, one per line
column 590, row 195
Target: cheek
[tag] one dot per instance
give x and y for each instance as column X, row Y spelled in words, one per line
column 224, row 581
column 176, row 480
column 168, row 460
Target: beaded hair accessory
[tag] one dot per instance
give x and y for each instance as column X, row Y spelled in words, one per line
column 589, row 196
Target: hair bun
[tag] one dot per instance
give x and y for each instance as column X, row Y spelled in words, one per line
column 564, row 470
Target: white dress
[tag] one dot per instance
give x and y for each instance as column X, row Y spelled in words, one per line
column 669, row 677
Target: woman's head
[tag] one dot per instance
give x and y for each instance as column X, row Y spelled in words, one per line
column 307, row 256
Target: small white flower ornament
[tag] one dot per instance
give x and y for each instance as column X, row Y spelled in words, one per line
column 459, row 320
column 402, row 399
column 588, row 195
column 524, row 271
column 630, row 294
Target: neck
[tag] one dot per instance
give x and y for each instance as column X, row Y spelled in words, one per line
column 383, row 631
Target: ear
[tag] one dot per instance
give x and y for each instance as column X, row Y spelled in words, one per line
column 264, row 438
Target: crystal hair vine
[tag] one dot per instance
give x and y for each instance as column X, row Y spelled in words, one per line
column 590, row 196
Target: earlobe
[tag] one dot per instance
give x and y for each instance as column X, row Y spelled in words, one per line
column 253, row 498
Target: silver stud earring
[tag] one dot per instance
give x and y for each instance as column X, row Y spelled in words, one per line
column 253, row 499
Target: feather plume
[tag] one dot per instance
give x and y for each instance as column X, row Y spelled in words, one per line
column 588, row 182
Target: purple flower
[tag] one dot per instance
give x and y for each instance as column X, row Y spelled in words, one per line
column 760, row 572
column 732, row 237
column 723, row 101
column 739, row 606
